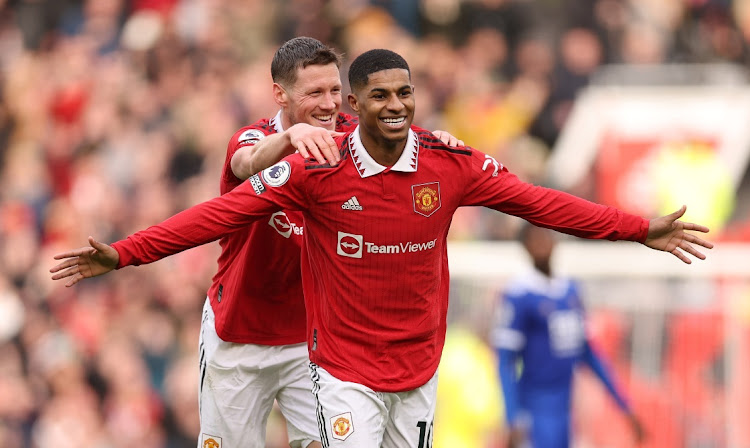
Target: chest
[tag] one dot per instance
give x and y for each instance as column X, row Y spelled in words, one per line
column 390, row 207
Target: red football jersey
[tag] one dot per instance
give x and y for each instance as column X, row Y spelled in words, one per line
column 256, row 294
column 374, row 262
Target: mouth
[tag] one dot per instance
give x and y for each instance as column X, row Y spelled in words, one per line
column 325, row 119
column 394, row 122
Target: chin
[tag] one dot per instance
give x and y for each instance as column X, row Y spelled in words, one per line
column 399, row 136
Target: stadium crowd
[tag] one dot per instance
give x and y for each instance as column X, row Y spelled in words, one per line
column 118, row 112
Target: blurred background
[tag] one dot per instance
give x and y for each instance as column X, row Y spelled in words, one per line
column 115, row 114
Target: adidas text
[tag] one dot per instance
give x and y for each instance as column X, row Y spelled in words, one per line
column 352, row 204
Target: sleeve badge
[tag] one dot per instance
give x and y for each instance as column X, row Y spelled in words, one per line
column 251, row 137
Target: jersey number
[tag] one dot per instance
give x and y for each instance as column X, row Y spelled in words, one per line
column 425, row 434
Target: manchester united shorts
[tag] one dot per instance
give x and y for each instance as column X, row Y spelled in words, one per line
column 353, row 415
column 238, row 385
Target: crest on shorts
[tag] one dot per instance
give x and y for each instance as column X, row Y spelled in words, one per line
column 426, row 198
column 342, row 426
column 209, row 441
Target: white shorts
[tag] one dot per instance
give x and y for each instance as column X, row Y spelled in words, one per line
column 353, row 415
column 238, row 385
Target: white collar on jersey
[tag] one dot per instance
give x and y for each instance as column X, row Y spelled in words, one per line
column 367, row 166
column 276, row 123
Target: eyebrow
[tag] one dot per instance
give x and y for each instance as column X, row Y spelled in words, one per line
column 381, row 89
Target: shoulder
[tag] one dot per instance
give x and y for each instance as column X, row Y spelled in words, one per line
column 346, row 122
column 252, row 134
column 291, row 167
column 311, row 164
column 428, row 141
column 525, row 285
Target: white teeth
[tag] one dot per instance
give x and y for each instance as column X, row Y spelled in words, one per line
column 324, row 117
column 394, row 120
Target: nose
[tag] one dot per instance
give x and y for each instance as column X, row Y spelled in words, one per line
column 329, row 102
column 394, row 103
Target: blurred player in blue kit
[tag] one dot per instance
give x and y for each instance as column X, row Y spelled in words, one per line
column 541, row 322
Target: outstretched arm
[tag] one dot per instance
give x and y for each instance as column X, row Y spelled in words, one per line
column 310, row 141
column 85, row 262
column 668, row 234
column 195, row 226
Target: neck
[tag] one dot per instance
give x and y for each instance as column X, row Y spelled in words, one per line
column 286, row 123
column 544, row 268
column 385, row 152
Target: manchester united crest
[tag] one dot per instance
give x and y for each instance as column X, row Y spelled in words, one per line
column 342, row 426
column 211, row 441
column 426, row 198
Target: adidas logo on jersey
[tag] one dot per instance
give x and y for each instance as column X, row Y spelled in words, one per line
column 351, row 204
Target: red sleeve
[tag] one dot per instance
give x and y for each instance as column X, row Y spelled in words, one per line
column 247, row 136
column 492, row 185
column 280, row 186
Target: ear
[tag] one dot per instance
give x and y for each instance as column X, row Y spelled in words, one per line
column 353, row 103
column 280, row 95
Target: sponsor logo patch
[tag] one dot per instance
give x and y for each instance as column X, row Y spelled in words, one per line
column 490, row 161
column 258, row 186
column 426, row 198
column 349, row 245
column 353, row 246
column 342, row 426
column 277, row 175
column 281, row 223
column 251, row 137
column 208, row 441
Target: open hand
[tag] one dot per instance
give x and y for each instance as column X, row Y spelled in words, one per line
column 85, row 262
column 315, row 142
column 668, row 234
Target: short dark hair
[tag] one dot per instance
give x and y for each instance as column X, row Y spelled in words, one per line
column 371, row 62
column 299, row 53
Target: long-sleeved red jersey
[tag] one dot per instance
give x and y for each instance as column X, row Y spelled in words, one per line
column 374, row 260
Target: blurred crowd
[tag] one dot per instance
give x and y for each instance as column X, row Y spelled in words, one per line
column 115, row 114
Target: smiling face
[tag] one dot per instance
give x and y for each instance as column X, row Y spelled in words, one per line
column 314, row 98
column 385, row 105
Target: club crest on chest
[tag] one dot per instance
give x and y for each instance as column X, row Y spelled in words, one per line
column 426, row 198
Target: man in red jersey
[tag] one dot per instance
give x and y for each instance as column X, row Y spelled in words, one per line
column 254, row 316
column 374, row 266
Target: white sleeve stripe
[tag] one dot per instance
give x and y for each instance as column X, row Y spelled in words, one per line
column 508, row 339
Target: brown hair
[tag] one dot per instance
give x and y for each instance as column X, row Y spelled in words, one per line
column 299, row 53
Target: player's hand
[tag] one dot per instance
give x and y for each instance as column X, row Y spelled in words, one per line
column 638, row 431
column 85, row 262
column 668, row 234
column 447, row 138
column 315, row 142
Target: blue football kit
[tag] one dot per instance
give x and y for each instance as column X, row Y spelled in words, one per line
column 540, row 337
